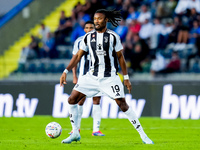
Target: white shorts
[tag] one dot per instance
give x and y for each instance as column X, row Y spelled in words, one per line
column 91, row 86
column 99, row 94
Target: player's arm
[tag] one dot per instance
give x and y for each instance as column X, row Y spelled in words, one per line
column 74, row 52
column 74, row 71
column 73, row 62
column 122, row 64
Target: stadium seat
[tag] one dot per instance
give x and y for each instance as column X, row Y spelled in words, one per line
column 21, row 68
column 31, row 68
column 60, row 68
column 51, row 68
column 195, row 67
column 64, row 51
column 41, row 68
column 167, row 53
column 146, row 67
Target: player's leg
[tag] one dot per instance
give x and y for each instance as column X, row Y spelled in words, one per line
column 96, row 112
column 114, row 88
column 74, row 98
column 80, row 111
column 133, row 119
column 85, row 86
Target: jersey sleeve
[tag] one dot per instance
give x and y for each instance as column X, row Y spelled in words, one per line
column 83, row 43
column 76, row 47
column 118, row 45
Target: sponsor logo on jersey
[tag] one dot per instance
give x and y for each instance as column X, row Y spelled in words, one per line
column 100, row 52
column 99, row 46
column 93, row 40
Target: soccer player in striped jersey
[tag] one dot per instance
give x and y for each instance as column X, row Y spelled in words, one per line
column 105, row 49
column 83, row 69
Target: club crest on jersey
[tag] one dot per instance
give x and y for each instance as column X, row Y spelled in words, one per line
column 93, row 35
column 106, row 39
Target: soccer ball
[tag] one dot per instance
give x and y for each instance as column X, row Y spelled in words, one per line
column 53, row 130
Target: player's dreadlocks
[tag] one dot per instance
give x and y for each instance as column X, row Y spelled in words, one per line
column 113, row 15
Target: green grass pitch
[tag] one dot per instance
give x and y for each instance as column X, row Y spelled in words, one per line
column 29, row 133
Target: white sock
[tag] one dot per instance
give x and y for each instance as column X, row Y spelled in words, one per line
column 96, row 113
column 73, row 115
column 80, row 112
column 135, row 122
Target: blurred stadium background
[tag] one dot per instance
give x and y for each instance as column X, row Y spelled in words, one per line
column 161, row 40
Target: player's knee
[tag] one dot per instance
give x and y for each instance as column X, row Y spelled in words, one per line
column 96, row 100
column 71, row 100
column 81, row 102
column 122, row 104
column 124, row 107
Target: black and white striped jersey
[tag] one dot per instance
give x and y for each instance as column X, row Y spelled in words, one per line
column 102, row 48
column 84, row 62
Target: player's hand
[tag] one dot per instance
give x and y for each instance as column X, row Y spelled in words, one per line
column 127, row 83
column 75, row 80
column 63, row 79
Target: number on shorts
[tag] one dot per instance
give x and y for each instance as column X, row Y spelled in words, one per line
column 115, row 88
